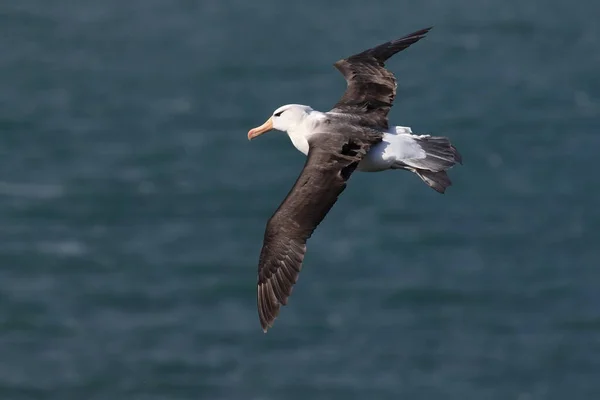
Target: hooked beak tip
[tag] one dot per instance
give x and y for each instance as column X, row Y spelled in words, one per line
column 264, row 128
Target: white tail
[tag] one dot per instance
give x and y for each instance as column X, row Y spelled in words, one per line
column 439, row 156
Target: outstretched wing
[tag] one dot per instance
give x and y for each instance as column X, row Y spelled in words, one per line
column 371, row 87
column 332, row 158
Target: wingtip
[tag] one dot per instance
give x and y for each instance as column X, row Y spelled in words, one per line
column 265, row 326
column 422, row 32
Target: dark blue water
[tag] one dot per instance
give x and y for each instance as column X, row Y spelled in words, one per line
column 132, row 206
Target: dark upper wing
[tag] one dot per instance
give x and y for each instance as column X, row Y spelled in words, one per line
column 332, row 158
column 372, row 88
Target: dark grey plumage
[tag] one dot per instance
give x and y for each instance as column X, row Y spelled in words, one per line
column 371, row 88
column 334, row 153
column 332, row 158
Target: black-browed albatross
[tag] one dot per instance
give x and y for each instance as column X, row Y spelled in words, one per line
column 354, row 135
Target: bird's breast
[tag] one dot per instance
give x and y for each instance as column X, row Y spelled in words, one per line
column 299, row 141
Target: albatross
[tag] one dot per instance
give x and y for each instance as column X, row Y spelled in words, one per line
column 354, row 135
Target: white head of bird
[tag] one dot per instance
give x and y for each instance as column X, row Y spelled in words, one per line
column 286, row 118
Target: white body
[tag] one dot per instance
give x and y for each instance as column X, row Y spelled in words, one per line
column 398, row 145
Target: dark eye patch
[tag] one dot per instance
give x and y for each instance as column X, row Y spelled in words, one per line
column 278, row 114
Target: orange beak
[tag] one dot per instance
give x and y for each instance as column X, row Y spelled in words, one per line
column 259, row 130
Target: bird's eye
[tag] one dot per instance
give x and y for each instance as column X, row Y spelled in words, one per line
column 278, row 114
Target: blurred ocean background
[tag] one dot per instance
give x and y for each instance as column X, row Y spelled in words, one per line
column 132, row 206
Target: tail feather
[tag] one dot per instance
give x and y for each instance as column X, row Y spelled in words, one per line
column 438, row 181
column 440, row 155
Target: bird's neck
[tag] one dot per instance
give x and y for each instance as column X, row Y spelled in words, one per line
column 301, row 132
column 299, row 139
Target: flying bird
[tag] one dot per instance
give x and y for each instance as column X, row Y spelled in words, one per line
column 354, row 135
